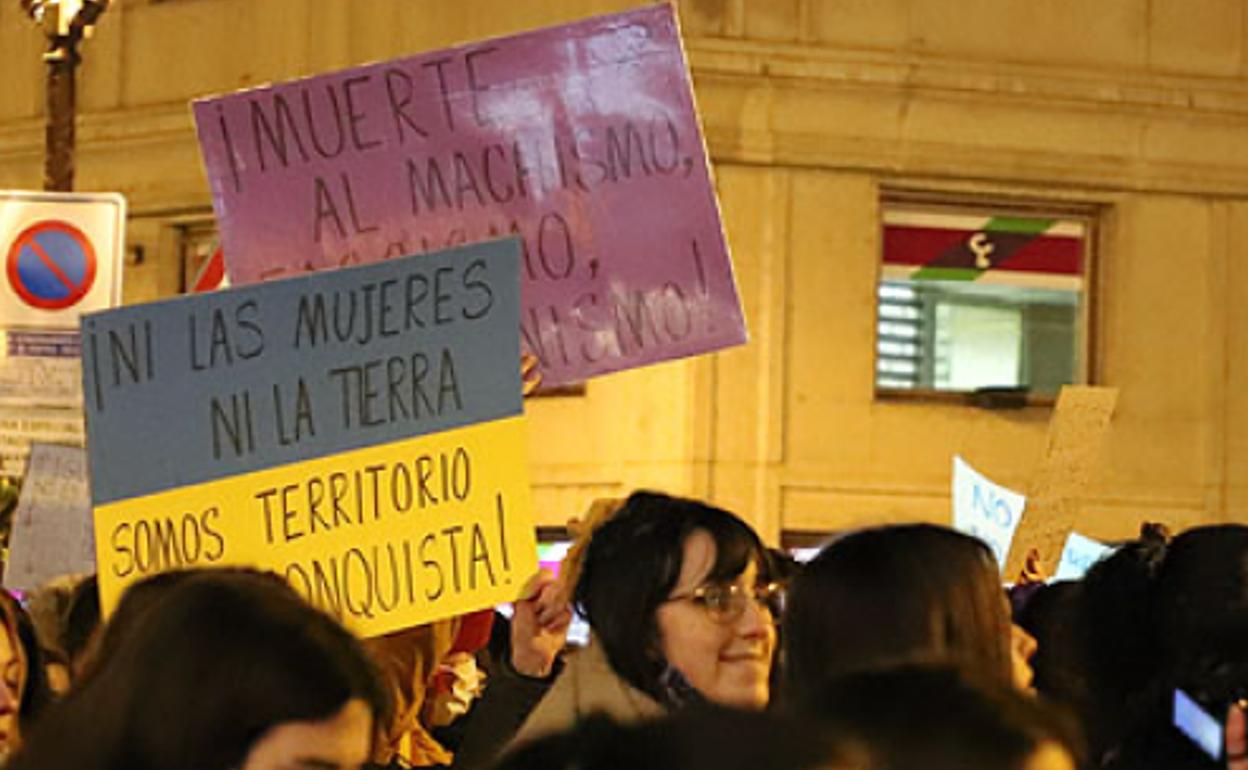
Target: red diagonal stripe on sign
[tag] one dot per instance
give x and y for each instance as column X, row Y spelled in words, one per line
column 211, row 273
column 1057, row 255
column 918, row 246
column 49, row 263
column 904, row 245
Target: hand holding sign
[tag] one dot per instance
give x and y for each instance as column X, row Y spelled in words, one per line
column 539, row 626
column 1072, row 453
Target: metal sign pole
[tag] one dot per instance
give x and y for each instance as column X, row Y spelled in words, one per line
column 66, row 23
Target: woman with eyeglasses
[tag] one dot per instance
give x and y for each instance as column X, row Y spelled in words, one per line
column 683, row 608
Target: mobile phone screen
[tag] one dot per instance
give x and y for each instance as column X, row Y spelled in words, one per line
column 1196, row 723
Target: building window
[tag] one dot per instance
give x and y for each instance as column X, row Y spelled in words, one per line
column 976, row 299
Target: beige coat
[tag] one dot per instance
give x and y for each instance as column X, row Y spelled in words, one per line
column 587, row 686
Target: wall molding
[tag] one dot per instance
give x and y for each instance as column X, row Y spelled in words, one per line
column 755, row 96
column 1021, row 83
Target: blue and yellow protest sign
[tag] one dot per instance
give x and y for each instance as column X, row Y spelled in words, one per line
column 358, row 431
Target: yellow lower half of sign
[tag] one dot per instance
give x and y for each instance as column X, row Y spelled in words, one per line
column 384, row 537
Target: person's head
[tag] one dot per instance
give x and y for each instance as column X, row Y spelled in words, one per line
column 1059, row 664
column 674, row 586
column 222, row 669
column 24, row 692
column 1201, row 600
column 693, row 740
column 82, row 624
column 891, row 595
column 1116, row 641
column 1199, row 614
column 1157, row 616
column 932, row 718
column 105, row 641
column 48, row 606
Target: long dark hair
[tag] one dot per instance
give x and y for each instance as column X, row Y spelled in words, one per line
column 1115, row 629
column 210, row 666
column 36, row 695
column 893, row 595
column 634, row 561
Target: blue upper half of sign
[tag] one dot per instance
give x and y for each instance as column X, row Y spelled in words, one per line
column 199, row 388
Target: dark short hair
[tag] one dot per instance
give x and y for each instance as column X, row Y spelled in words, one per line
column 632, row 564
column 215, row 661
column 892, row 595
column 1051, row 616
column 1202, row 598
column 932, row 717
column 697, row 739
column 82, row 620
column 1116, row 630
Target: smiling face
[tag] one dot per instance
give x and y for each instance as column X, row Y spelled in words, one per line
column 338, row 742
column 730, row 662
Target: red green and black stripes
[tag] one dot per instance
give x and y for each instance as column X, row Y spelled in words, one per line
column 943, row 247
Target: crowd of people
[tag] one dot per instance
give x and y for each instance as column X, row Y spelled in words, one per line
column 894, row 648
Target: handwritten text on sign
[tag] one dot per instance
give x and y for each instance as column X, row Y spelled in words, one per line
column 355, row 431
column 1078, row 556
column 582, row 140
column 984, row 509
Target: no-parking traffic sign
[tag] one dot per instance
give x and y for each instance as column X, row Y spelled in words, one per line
column 61, row 257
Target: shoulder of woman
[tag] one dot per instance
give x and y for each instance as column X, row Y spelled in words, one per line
column 587, row 686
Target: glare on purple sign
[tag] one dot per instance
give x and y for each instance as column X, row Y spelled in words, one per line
column 581, row 139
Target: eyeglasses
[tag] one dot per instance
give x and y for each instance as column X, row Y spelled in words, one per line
column 726, row 602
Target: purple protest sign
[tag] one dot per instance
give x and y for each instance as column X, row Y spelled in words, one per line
column 582, row 139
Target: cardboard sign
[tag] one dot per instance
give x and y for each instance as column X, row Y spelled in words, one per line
column 52, row 529
column 1078, row 556
column 581, row 139
column 358, row 431
column 22, row 428
column 985, row 510
column 1071, row 455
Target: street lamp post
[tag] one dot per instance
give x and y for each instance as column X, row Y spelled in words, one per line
column 65, row 23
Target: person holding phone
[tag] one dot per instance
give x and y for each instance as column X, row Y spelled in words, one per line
column 1196, row 637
